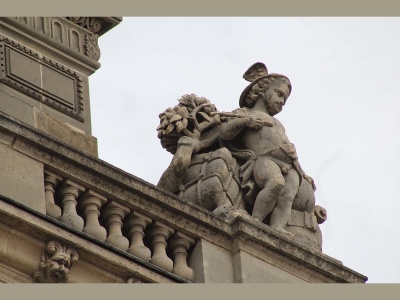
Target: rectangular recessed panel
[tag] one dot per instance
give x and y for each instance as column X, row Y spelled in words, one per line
column 59, row 85
column 41, row 78
column 23, row 67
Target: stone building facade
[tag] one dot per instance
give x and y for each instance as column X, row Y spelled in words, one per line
column 68, row 216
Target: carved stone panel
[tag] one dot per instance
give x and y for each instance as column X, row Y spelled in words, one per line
column 41, row 78
column 77, row 33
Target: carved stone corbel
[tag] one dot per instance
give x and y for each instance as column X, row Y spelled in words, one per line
column 57, row 260
column 91, row 46
column 92, row 24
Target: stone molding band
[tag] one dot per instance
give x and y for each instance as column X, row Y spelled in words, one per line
column 75, row 50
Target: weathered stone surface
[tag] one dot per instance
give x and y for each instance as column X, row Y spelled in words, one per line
column 91, row 203
column 14, row 245
column 39, row 30
column 249, row 269
column 227, row 161
column 135, row 225
column 22, row 178
column 42, row 78
column 51, row 180
column 68, row 194
column 210, row 232
column 66, row 133
column 57, row 260
column 15, row 107
column 211, row 263
column 46, row 65
column 75, row 34
column 6, row 139
column 21, row 245
column 179, row 245
column 55, row 193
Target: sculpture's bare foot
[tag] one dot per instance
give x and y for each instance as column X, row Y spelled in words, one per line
column 281, row 230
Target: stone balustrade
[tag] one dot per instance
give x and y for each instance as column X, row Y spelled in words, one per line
column 124, row 227
column 117, row 223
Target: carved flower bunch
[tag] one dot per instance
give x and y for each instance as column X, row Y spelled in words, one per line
column 190, row 117
column 173, row 118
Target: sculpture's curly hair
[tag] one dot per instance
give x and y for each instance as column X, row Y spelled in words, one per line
column 261, row 86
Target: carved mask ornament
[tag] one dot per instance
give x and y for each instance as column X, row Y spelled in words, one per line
column 57, row 260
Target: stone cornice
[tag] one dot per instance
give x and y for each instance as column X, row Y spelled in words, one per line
column 38, row 37
column 73, row 35
column 98, row 25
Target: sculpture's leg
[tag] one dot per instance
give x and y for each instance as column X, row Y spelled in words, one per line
column 282, row 211
column 269, row 178
column 305, row 198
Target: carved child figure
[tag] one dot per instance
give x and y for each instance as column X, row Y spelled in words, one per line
column 254, row 136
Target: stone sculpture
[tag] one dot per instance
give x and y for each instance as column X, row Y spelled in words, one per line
column 241, row 162
column 56, row 263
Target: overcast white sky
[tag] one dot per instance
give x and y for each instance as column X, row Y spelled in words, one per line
column 342, row 115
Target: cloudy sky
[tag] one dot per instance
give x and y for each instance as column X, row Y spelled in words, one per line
column 342, row 115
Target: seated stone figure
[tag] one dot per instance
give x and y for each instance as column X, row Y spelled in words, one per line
column 241, row 161
column 254, row 135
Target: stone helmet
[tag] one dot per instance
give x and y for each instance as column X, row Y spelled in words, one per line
column 254, row 74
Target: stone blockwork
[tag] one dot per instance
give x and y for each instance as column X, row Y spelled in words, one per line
column 44, row 71
column 135, row 232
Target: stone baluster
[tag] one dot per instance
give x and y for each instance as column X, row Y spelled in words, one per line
column 91, row 202
column 158, row 235
column 179, row 245
column 51, row 180
column 69, row 192
column 136, row 223
column 114, row 213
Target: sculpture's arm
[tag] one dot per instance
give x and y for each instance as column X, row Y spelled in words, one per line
column 170, row 179
column 230, row 129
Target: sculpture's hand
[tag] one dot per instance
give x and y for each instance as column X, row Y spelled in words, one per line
column 245, row 154
column 189, row 143
column 256, row 123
